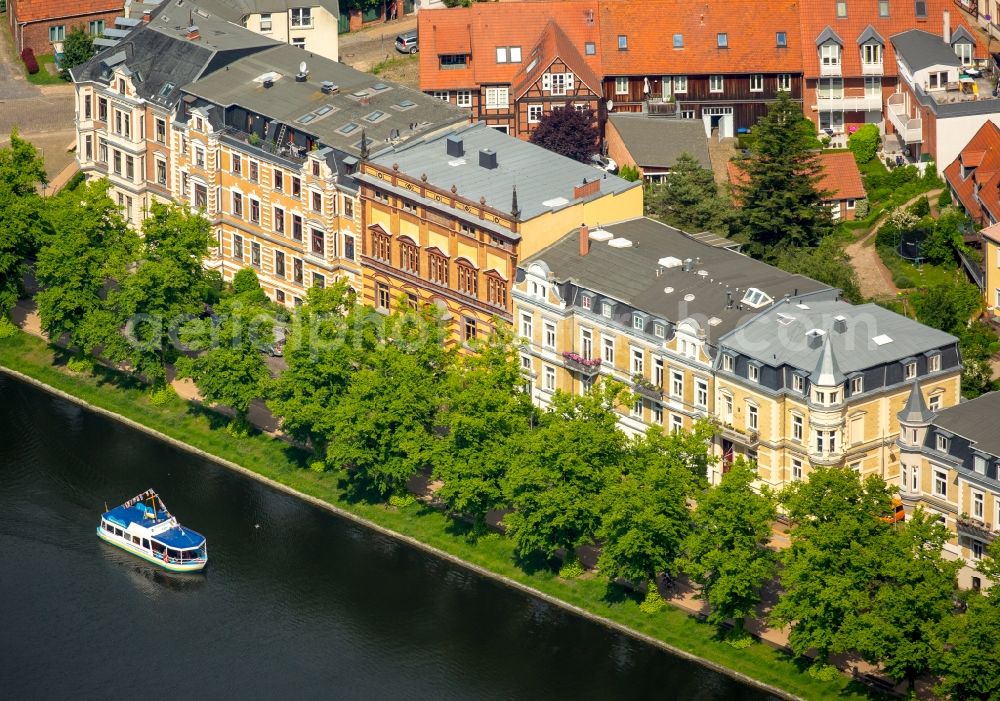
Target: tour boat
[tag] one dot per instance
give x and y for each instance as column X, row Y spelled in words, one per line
column 144, row 527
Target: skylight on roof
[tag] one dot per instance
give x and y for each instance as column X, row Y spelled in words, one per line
column 881, row 340
column 555, row 202
column 756, row 298
column 785, row 319
column 670, row 262
column 323, row 110
column 166, row 89
column 374, row 116
column 348, row 128
column 601, row 235
column 620, row 242
column 306, row 118
column 406, row 104
column 714, row 321
column 380, row 86
column 359, row 93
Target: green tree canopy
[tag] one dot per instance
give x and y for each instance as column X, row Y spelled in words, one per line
column 970, row 661
column 864, row 143
column 947, row 305
column 689, row 199
column 834, row 555
column 781, row 204
column 910, row 598
column 727, row 553
column 326, row 338
column 382, row 429
column 556, row 479
column 827, row 263
column 486, row 414
column 89, row 251
column 78, row 48
column 22, row 224
column 568, row 132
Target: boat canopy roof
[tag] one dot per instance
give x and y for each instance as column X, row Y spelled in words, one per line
column 180, row 538
column 139, row 513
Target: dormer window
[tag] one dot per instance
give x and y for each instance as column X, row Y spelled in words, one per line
column 963, row 50
column 606, row 309
column 727, row 362
column 910, row 370
column 755, row 298
column 942, row 443
column 934, row 363
column 871, row 54
column 638, row 323
column 659, row 331
column 829, row 55
column 586, row 301
column 798, row 383
column 753, row 372
column 979, row 464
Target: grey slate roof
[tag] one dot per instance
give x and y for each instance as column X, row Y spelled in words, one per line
column 658, row 141
column 915, row 412
column 962, row 34
column 778, row 336
column 920, row 49
column 252, row 7
column 630, row 275
column 870, row 35
column 159, row 53
column 977, row 420
column 379, row 107
column 827, row 372
column 828, row 35
column 540, row 176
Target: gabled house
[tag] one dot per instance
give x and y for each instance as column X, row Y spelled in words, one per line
column 42, row 25
column 849, row 62
column 974, row 176
column 840, row 180
column 509, row 66
column 720, row 63
column 942, row 95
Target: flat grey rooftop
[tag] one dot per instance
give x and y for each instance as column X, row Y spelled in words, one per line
column 977, row 420
column 873, row 335
column 384, row 110
column 922, row 49
column 640, row 276
column 216, row 32
column 659, row 141
column 544, row 180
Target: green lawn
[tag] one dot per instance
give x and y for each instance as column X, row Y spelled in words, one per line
column 906, row 275
column 42, row 77
column 282, row 463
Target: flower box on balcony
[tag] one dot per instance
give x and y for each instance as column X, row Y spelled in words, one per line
column 975, row 526
column 577, row 363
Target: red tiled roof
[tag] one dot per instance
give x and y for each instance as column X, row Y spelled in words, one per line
column 37, row 10
column 554, row 44
column 489, row 25
column 984, row 149
column 650, row 27
column 816, row 16
column 992, row 233
column 840, row 176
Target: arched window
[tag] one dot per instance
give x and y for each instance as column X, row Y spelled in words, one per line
column 437, row 268
column 496, row 290
column 409, row 256
column 468, row 279
column 380, row 245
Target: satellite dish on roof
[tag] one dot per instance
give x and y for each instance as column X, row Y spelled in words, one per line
column 302, row 67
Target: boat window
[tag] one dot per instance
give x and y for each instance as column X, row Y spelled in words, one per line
column 109, row 528
column 135, row 539
column 118, row 531
column 145, row 543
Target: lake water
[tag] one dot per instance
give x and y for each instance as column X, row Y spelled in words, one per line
column 295, row 602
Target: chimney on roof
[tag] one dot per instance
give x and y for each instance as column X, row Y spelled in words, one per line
column 946, row 27
column 814, row 338
column 192, row 33
column 584, row 240
column 586, row 189
column 454, row 146
column 146, row 15
column 487, row 158
column 840, row 323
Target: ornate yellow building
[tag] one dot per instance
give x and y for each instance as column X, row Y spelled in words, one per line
column 447, row 219
column 950, row 460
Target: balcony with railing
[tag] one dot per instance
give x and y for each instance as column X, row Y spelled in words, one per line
column 975, row 527
column 910, row 129
column 872, row 68
column 829, row 68
column 645, row 388
column 748, row 437
column 588, row 367
column 848, row 100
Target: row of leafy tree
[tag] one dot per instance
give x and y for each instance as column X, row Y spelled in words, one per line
column 382, row 399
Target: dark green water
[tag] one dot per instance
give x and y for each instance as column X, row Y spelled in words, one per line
column 296, row 603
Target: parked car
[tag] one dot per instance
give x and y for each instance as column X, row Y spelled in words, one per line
column 406, row 43
column 604, row 163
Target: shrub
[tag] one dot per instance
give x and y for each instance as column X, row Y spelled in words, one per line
column 653, row 602
column 824, row 672
column 630, row 173
column 7, row 328
column 739, row 639
column 401, row 502
column 944, row 199
column 902, row 280
column 864, row 143
column 861, row 208
column 162, row 396
column 920, row 208
column 571, row 568
column 30, row 62
column 80, row 365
